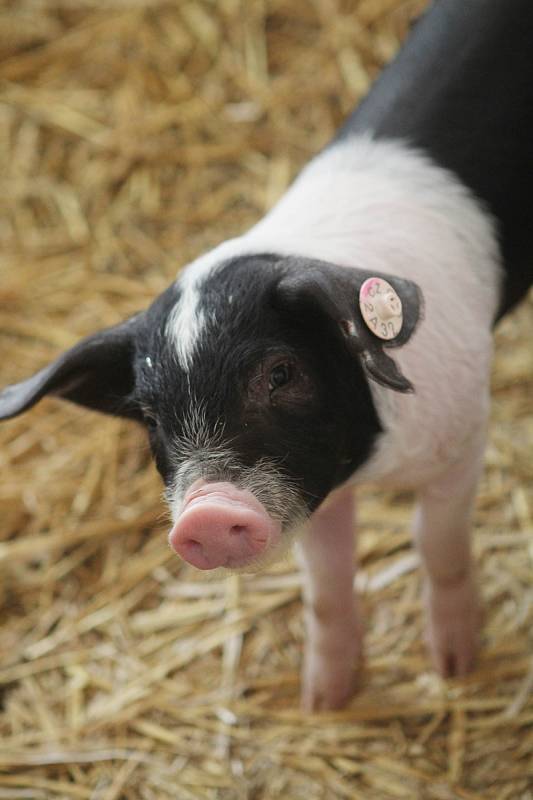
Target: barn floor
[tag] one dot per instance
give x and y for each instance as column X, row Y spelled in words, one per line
column 133, row 135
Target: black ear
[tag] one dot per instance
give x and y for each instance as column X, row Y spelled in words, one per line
column 333, row 292
column 97, row 372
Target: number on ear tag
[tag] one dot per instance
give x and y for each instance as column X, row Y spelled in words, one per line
column 381, row 308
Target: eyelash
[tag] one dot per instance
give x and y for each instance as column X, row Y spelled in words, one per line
column 150, row 421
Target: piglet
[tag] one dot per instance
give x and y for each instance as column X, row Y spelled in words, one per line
column 347, row 337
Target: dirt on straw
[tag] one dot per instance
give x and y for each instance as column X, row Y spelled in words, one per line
column 134, row 134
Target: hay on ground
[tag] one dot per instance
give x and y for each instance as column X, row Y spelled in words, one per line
column 134, row 134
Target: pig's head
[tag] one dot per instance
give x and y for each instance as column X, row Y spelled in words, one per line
column 251, row 379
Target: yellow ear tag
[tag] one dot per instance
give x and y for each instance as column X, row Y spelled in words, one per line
column 381, row 308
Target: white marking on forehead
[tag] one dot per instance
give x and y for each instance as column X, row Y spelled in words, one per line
column 149, row 362
column 187, row 321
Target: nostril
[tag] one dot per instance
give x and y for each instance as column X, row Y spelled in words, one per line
column 238, row 530
column 193, row 546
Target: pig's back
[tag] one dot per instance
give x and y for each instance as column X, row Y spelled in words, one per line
column 461, row 89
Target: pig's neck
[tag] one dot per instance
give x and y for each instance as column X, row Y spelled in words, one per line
column 382, row 206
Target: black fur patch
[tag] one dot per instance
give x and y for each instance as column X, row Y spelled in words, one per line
column 316, row 445
column 461, row 89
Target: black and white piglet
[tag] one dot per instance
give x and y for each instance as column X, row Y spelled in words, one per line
column 346, row 337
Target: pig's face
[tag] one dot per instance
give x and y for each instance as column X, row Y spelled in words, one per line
column 251, row 384
column 255, row 420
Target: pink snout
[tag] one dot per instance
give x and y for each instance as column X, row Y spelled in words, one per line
column 221, row 525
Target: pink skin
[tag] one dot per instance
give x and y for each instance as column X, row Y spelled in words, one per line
column 221, row 525
column 334, row 633
column 442, row 534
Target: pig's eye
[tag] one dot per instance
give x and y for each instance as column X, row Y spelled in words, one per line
column 281, row 381
column 280, row 376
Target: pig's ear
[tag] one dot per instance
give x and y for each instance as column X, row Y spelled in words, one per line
column 97, row 373
column 318, row 288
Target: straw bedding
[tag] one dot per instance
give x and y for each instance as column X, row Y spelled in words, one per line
column 133, row 135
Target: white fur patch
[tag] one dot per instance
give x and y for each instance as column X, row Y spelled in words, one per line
column 385, row 207
column 187, row 322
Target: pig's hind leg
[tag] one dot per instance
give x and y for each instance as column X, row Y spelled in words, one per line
column 333, row 644
column 442, row 534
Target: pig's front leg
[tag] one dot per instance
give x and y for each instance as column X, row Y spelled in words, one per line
column 333, row 644
column 442, row 533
